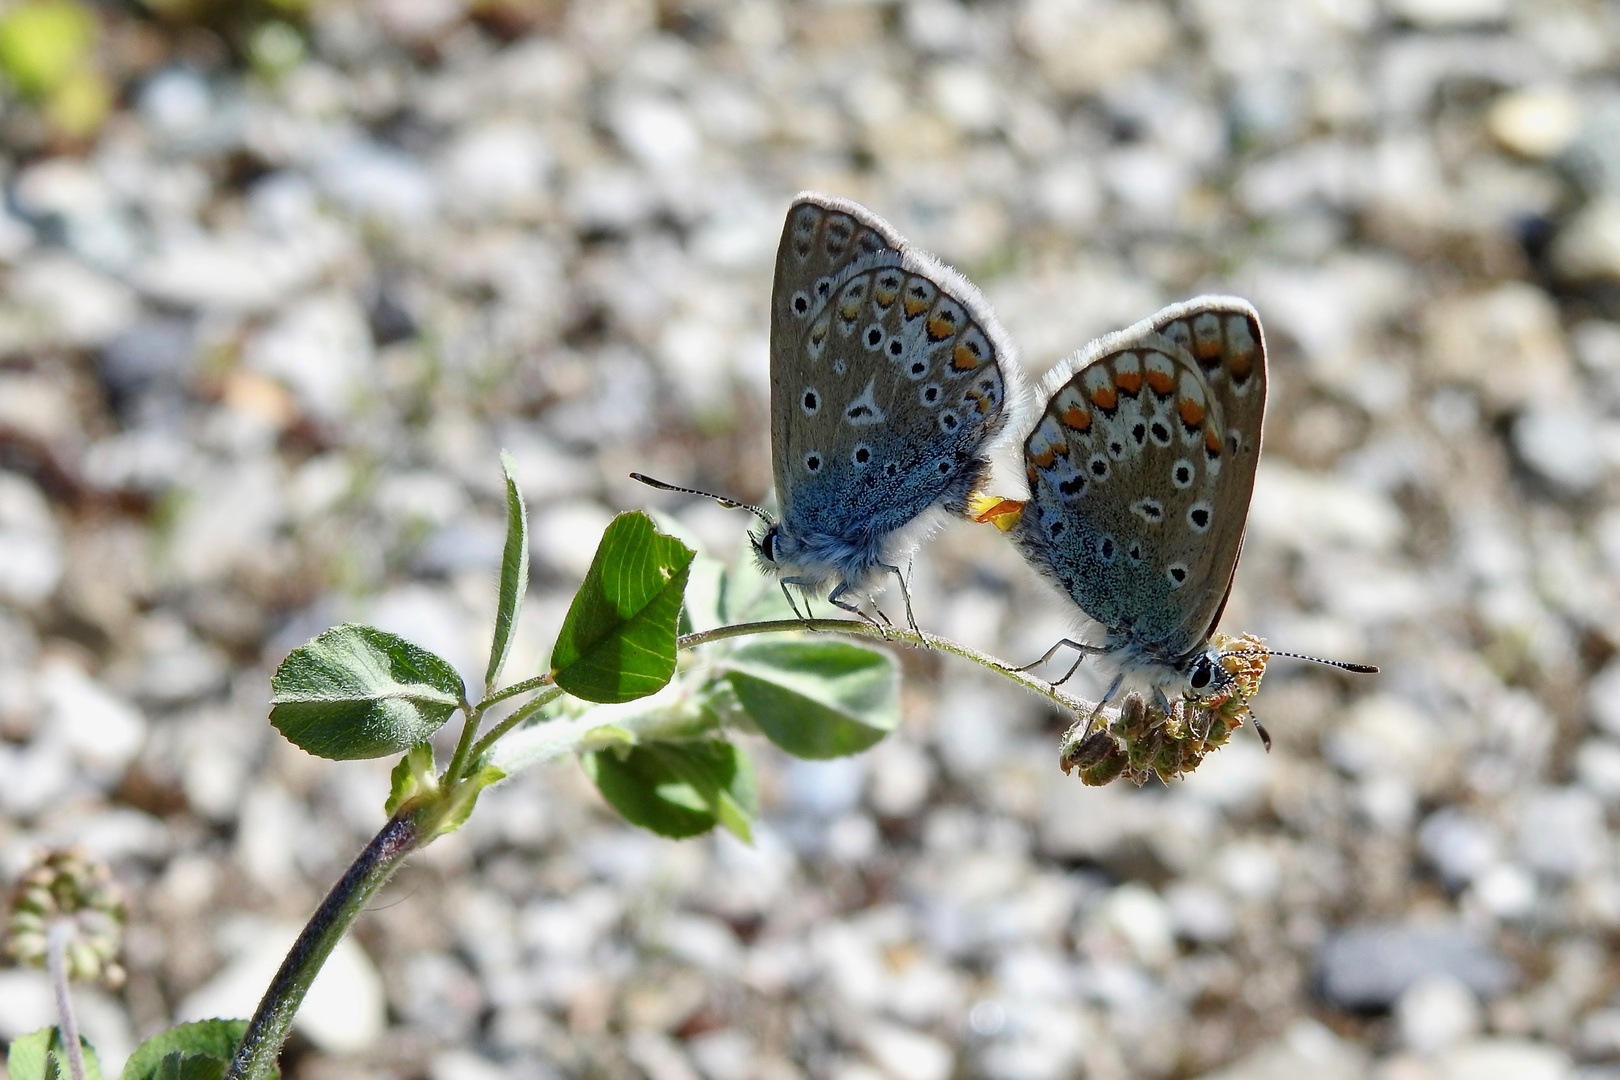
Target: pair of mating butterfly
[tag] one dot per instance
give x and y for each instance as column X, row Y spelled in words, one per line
column 891, row 382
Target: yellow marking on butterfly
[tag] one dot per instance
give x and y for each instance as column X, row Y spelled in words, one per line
column 964, row 359
column 993, row 510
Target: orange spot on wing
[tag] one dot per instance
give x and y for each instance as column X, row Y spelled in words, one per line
column 1044, row 459
column 980, row 401
column 914, row 306
column 1076, row 418
column 1241, row 364
column 1128, row 381
column 1105, row 398
column 1212, row 442
column 1160, row 381
column 940, row 327
column 1192, row 413
column 1030, row 473
column 1207, row 348
column 963, row 359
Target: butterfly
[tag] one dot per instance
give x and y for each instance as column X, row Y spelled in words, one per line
column 1140, row 465
column 891, row 380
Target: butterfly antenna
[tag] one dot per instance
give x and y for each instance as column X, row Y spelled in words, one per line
column 1345, row 665
column 1260, row 729
column 729, row 504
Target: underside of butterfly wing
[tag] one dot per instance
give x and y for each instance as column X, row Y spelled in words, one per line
column 888, row 384
column 1140, row 470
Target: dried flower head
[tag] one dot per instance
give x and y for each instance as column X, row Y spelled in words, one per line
column 1143, row 740
column 67, row 885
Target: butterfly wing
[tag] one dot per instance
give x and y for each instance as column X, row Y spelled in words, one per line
column 890, row 377
column 1141, row 466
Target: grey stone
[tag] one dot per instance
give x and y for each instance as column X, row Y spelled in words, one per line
column 1370, row 966
column 1560, row 440
column 31, row 556
column 1562, row 832
column 1505, row 1059
column 1460, row 845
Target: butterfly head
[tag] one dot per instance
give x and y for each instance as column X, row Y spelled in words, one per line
column 773, row 546
column 1225, row 675
column 1207, row 676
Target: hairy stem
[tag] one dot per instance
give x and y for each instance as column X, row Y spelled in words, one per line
column 854, row 628
column 57, row 939
column 528, row 709
column 458, row 760
column 515, row 689
column 256, row 1057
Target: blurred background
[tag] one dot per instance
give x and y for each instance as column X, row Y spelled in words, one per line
column 280, row 278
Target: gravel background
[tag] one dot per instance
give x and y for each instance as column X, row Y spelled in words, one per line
column 263, row 337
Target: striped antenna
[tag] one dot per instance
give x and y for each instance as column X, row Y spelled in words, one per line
column 729, row 504
column 1359, row 669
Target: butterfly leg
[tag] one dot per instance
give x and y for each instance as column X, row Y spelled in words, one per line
column 1113, row 688
column 788, row 596
column 835, row 598
column 1078, row 646
column 905, row 594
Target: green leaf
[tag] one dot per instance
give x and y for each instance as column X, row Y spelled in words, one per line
column 817, row 698
column 41, row 1055
column 412, row 778
column 197, row 1051
column 190, row 1067
column 463, row 797
column 678, row 789
column 618, row 642
column 514, row 574
column 359, row 692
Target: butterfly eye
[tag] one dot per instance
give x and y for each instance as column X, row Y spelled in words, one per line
column 1201, row 674
column 767, row 544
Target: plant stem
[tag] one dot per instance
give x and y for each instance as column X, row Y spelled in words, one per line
column 515, row 689
column 256, row 1057
column 854, row 628
column 528, row 709
column 56, row 943
column 458, row 760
